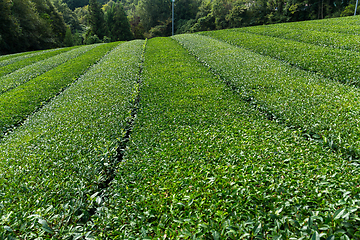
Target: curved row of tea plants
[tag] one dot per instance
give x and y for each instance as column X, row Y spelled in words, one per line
column 327, row 39
column 17, row 104
column 341, row 65
column 202, row 164
column 10, row 58
column 53, row 166
column 346, row 25
column 324, row 109
column 30, row 59
column 346, row 21
column 29, row 72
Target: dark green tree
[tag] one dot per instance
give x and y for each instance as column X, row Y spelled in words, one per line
column 9, row 30
column 186, row 9
column 36, row 30
column 154, row 12
column 54, row 22
column 258, row 12
column 205, row 19
column 236, row 14
column 82, row 14
column 68, row 41
column 185, row 14
column 220, row 8
column 349, row 10
column 69, row 16
column 96, row 20
column 76, row 3
column 118, row 23
column 57, row 23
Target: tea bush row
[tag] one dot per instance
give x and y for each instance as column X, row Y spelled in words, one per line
column 346, row 25
column 17, row 104
column 325, row 39
column 341, row 65
column 324, row 109
column 28, row 59
column 10, row 58
column 53, row 167
column 29, row 72
column 203, row 164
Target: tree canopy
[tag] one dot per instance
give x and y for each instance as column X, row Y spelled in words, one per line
column 30, row 25
column 37, row 24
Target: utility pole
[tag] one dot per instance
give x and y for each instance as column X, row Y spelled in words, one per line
column 172, row 21
column 356, row 7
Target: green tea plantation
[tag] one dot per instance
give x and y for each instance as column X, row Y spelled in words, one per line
column 250, row 133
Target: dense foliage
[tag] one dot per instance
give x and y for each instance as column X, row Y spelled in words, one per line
column 18, row 103
column 153, row 18
column 10, row 65
column 322, row 108
column 30, row 25
column 230, row 134
column 31, row 71
column 336, row 33
column 118, row 24
column 203, row 164
column 42, row 24
column 39, row 24
column 49, row 177
column 338, row 64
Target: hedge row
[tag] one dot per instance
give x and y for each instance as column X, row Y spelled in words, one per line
column 17, row 104
column 23, row 61
column 53, row 167
column 324, row 109
column 341, row 65
column 202, row 164
column 29, row 72
column 346, row 25
column 10, row 58
column 327, row 39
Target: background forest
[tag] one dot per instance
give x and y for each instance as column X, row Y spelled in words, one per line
column 27, row 25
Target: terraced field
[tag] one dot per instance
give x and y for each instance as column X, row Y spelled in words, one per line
column 246, row 133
